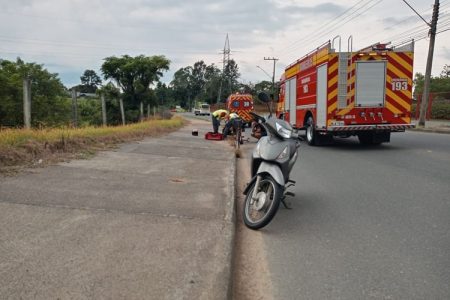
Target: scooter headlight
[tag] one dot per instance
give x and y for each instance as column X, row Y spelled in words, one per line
column 284, row 132
column 284, row 154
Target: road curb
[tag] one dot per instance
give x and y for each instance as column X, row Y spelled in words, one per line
column 230, row 218
column 432, row 130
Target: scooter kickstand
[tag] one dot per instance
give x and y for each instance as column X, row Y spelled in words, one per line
column 285, row 204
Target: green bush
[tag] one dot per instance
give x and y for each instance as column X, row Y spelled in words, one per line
column 440, row 110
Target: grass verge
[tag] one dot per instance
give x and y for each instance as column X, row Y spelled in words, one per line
column 38, row 147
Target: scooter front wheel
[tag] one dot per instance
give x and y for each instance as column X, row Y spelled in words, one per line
column 258, row 212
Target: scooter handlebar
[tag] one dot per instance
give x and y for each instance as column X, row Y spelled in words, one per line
column 258, row 117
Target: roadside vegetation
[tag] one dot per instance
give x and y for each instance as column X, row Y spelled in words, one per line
column 440, row 109
column 439, row 93
column 38, row 147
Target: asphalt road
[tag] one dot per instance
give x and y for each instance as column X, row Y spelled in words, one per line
column 367, row 222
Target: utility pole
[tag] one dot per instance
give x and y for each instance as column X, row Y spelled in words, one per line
column 426, row 86
column 273, row 75
column 27, row 103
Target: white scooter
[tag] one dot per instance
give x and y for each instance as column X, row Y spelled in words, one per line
column 272, row 161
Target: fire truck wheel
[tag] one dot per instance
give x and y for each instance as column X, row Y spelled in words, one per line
column 310, row 132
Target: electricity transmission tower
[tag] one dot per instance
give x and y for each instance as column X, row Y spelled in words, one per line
column 226, row 59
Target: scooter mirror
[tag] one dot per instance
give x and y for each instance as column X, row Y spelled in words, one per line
column 263, row 97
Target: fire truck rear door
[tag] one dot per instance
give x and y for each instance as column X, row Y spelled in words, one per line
column 290, row 101
column 370, row 83
column 321, row 112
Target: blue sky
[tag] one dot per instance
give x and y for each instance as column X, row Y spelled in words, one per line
column 68, row 37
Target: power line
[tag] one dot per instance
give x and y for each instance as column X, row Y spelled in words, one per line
column 121, row 24
column 419, row 33
column 326, row 25
column 360, row 13
column 407, row 35
column 82, row 44
column 325, row 31
column 416, row 12
column 427, row 11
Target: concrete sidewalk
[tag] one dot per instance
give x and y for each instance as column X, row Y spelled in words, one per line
column 438, row 126
column 150, row 220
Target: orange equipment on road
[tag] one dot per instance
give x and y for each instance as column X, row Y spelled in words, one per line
column 366, row 93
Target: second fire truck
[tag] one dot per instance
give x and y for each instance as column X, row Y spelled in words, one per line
column 242, row 104
column 366, row 93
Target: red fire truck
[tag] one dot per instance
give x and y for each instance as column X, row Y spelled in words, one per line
column 366, row 93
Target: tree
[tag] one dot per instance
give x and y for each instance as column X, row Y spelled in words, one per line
column 246, row 88
column 202, row 82
column 198, row 78
column 49, row 105
column 439, row 86
column 182, row 86
column 163, row 95
column 189, row 82
column 445, row 71
column 264, row 86
column 199, row 82
column 112, row 96
column 212, row 83
column 134, row 75
column 230, row 78
column 89, row 82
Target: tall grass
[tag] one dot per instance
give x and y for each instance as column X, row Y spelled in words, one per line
column 18, row 137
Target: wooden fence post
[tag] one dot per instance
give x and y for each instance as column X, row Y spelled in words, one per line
column 27, row 103
column 104, row 110
column 122, row 111
column 74, row 107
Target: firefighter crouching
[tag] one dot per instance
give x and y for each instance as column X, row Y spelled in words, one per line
column 220, row 114
column 234, row 121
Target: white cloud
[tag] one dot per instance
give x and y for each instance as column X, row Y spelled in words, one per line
column 71, row 36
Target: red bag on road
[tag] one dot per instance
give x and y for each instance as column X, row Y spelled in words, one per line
column 213, row 136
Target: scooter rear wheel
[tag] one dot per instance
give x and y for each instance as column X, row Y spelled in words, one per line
column 259, row 212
